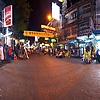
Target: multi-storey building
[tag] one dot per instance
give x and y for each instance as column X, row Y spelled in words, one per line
column 70, row 22
column 56, row 21
column 2, row 5
column 97, row 14
column 79, row 17
column 86, row 15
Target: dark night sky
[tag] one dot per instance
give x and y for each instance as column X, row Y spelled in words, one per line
column 41, row 8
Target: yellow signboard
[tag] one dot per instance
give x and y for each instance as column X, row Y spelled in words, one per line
column 48, row 27
column 61, row 0
column 39, row 34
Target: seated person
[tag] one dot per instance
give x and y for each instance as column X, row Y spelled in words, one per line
column 98, row 55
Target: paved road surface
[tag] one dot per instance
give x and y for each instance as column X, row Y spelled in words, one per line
column 49, row 78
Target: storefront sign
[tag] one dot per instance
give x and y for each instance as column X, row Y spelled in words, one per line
column 53, row 40
column 8, row 16
column 61, row 0
column 48, row 27
column 39, row 34
column 55, row 11
column 46, row 38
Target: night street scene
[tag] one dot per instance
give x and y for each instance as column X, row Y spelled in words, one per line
column 49, row 50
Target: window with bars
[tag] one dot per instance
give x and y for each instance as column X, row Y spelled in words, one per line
column 74, row 15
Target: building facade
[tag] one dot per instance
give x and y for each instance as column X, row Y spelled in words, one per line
column 70, row 22
column 81, row 18
column 2, row 5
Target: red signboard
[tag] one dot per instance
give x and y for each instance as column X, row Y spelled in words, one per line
column 8, row 16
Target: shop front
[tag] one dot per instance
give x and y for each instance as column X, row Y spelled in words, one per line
column 76, row 47
column 97, row 39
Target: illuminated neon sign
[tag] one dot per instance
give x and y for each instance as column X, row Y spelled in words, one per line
column 53, row 40
column 8, row 16
column 55, row 11
column 39, row 34
column 48, row 27
column 61, row 0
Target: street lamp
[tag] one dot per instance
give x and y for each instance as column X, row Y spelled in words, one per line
column 49, row 17
column 50, row 24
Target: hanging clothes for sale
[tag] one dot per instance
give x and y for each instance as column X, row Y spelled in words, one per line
column 1, row 53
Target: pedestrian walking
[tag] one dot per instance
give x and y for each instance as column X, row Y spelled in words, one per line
column 7, row 54
column 26, row 52
column 98, row 56
column 51, row 51
column 17, row 50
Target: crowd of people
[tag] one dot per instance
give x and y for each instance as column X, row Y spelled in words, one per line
column 43, row 51
column 21, row 51
column 92, row 53
column 18, row 52
column 51, row 51
column 5, row 53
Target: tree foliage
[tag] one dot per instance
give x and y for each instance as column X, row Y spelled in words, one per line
column 21, row 14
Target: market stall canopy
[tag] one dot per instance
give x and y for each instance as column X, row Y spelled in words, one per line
column 96, row 32
column 82, row 38
column 77, row 40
